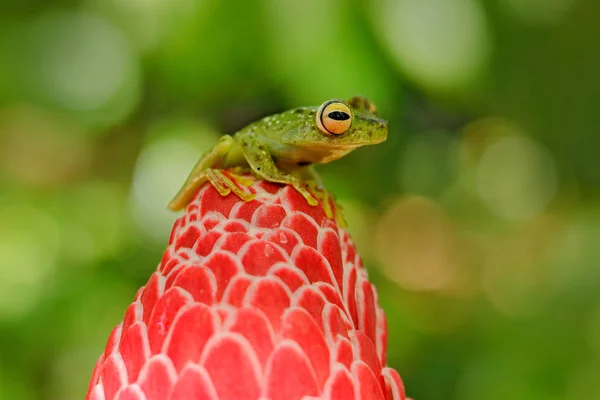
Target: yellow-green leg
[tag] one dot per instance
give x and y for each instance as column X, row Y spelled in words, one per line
column 205, row 171
column 259, row 159
column 225, row 185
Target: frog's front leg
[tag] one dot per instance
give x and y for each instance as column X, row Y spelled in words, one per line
column 205, row 171
column 260, row 160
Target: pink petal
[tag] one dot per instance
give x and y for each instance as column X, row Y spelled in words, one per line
column 236, row 290
column 343, row 353
column 333, row 323
column 189, row 237
column 206, row 243
column 269, row 216
column 286, row 238
column 113, row 341
column 271, row 297
column 170, row 265
column 95, row 375
column 329, row 246
column 340, row 385
column 96, row 393
column 213, row 201
column 313, row 264
column 289, row 374
column 245, row 210
column 290, row 275
column 254, row 326
column 349, row 293
column 233, row 367
column 365, row 350
column 199, row 282
column 350, row 249
column 134, row 349
column 331, row 294
column 269, row 187
column 367, row 315
column 194, row 384
column 235, row 226
column 233, row 241
column 393, row 384
column 381, row 336
column 259, row 255
column 163, row 315
column 113, row 376
column 211, row 219
column 175, row 230
column 157, row 378
column 312, row 300
column 150, row 295
column 190, row 332
column 299, row 326
column 224, row 266
column 132, row 315
column 303, row 226
column 131, row 392
column 294, row 201
column 368, row 386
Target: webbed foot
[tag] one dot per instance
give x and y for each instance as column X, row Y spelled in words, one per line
column 299, row 186
column 225, row 185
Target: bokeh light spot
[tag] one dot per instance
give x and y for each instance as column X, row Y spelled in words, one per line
column 515, row 278
column 94, row 226
column 415, row 244
column 41, row 149
column 538, row 12
column 80, row 62
column 160, row 171
column 440, row 44
column 145, row 21
column 516, row 178
column 29, row 243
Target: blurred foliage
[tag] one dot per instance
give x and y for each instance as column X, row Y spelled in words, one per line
column 478, row 219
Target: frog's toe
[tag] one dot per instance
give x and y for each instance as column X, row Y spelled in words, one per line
column 218, row 181
column 243, row 180
column 245, row 196
column 310, row 199
column 225, row 185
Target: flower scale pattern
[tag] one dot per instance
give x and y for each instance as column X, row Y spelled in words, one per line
column 259, row 300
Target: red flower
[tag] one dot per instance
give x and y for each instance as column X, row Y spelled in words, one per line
column 265, row 299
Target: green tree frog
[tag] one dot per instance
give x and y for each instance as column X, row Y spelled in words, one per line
column 282, row 148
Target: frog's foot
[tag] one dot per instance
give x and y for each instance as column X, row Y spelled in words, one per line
column 299, row 186
column 339, row 216
column 241, row 179
column 225, row 185
column 323, row 195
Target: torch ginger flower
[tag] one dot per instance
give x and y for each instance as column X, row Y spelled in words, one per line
column 259, row 300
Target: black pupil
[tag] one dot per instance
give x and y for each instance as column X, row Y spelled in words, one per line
column 338, row 115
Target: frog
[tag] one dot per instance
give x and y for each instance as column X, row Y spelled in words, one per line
column 283, row 148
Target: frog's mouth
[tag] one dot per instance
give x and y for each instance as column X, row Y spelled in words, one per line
column 335, row 144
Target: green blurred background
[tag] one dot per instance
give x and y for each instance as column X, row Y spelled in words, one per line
column 479, row 218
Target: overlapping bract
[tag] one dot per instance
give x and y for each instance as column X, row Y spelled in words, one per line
column 265, row 299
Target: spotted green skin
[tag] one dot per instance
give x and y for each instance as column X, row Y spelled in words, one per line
column 281, row 148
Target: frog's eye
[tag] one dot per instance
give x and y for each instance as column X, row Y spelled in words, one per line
column 334, row 117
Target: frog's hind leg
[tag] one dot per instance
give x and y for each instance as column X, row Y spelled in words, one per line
column 213, row 158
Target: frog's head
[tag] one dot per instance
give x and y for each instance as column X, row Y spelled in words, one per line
column 335, row 128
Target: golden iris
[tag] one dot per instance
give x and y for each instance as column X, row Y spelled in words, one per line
column 334, row 117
